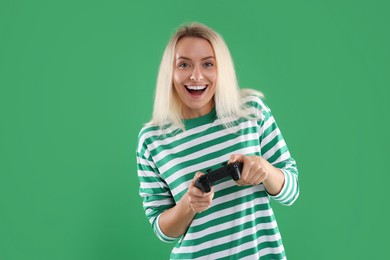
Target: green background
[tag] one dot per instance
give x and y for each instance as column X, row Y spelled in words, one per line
column 77, row 81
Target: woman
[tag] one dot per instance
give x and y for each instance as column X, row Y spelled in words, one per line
column 202, row 119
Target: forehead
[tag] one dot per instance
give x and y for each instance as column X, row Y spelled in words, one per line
column 192, row 47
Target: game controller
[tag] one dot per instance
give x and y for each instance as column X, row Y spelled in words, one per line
column 232, row 170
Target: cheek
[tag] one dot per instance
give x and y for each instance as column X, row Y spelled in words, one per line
column 175, row 78
column 179, row 77
column 211, row 76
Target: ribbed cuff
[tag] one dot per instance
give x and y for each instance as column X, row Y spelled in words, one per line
column 289, row 192
column 160, row 234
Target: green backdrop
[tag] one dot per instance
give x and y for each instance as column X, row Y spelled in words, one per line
column 77, row 82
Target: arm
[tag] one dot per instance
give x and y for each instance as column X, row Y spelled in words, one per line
column 175, row 221
column 169, row 220
column 275, row 151
column 256, row 170
column 275, row 167
column 155, row 193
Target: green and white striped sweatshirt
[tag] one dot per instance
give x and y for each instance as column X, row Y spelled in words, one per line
column 240, row 223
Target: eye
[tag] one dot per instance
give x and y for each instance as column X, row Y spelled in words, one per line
column 208, row 65
column 183, row 65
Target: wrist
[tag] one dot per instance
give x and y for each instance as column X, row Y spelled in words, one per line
column 275, row 181
column 186, row 204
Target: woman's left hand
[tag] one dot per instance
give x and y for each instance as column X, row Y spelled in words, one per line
column 258, row 170
column 254, row 171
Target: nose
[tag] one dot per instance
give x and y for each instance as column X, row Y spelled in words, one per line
column 196, row 74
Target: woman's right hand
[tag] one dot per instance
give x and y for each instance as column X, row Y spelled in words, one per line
column 198, row 200
column 175, row 221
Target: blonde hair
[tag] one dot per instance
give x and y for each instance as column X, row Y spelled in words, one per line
column 227, row 98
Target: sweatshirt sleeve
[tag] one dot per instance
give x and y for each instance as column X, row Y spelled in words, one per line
column 153, row 190
column 274, row 150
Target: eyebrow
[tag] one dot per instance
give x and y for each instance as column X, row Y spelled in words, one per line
column 205, row 58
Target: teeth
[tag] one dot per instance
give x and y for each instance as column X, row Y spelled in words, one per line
column 196, row 87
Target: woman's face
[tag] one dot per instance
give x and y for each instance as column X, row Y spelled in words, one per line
column 194, row 76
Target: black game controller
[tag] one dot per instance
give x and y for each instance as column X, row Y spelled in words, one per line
column 232, row 170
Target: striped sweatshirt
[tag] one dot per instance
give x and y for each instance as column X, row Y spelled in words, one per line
column 240, row 223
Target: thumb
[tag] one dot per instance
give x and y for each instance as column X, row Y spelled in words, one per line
column 235, row 157
column 197, row 175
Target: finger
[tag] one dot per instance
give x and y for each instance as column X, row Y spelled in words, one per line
column 235, row 158
column 258, row 180
column 196, row 192
column 263, row 175
column 204, row 201
column 248, row 173
column 201, row 204
column 240, row 182
column 201, row 201
column 254, row 174
column 246, row 168
column 201, row 196
column 192, row 183
column 197, row 175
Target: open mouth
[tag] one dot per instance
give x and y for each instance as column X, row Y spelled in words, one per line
column 196, row 90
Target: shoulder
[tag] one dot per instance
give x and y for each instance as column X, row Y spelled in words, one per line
column 150, row 133
column 147, row 129
column 143, row 135
column 254, row 101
